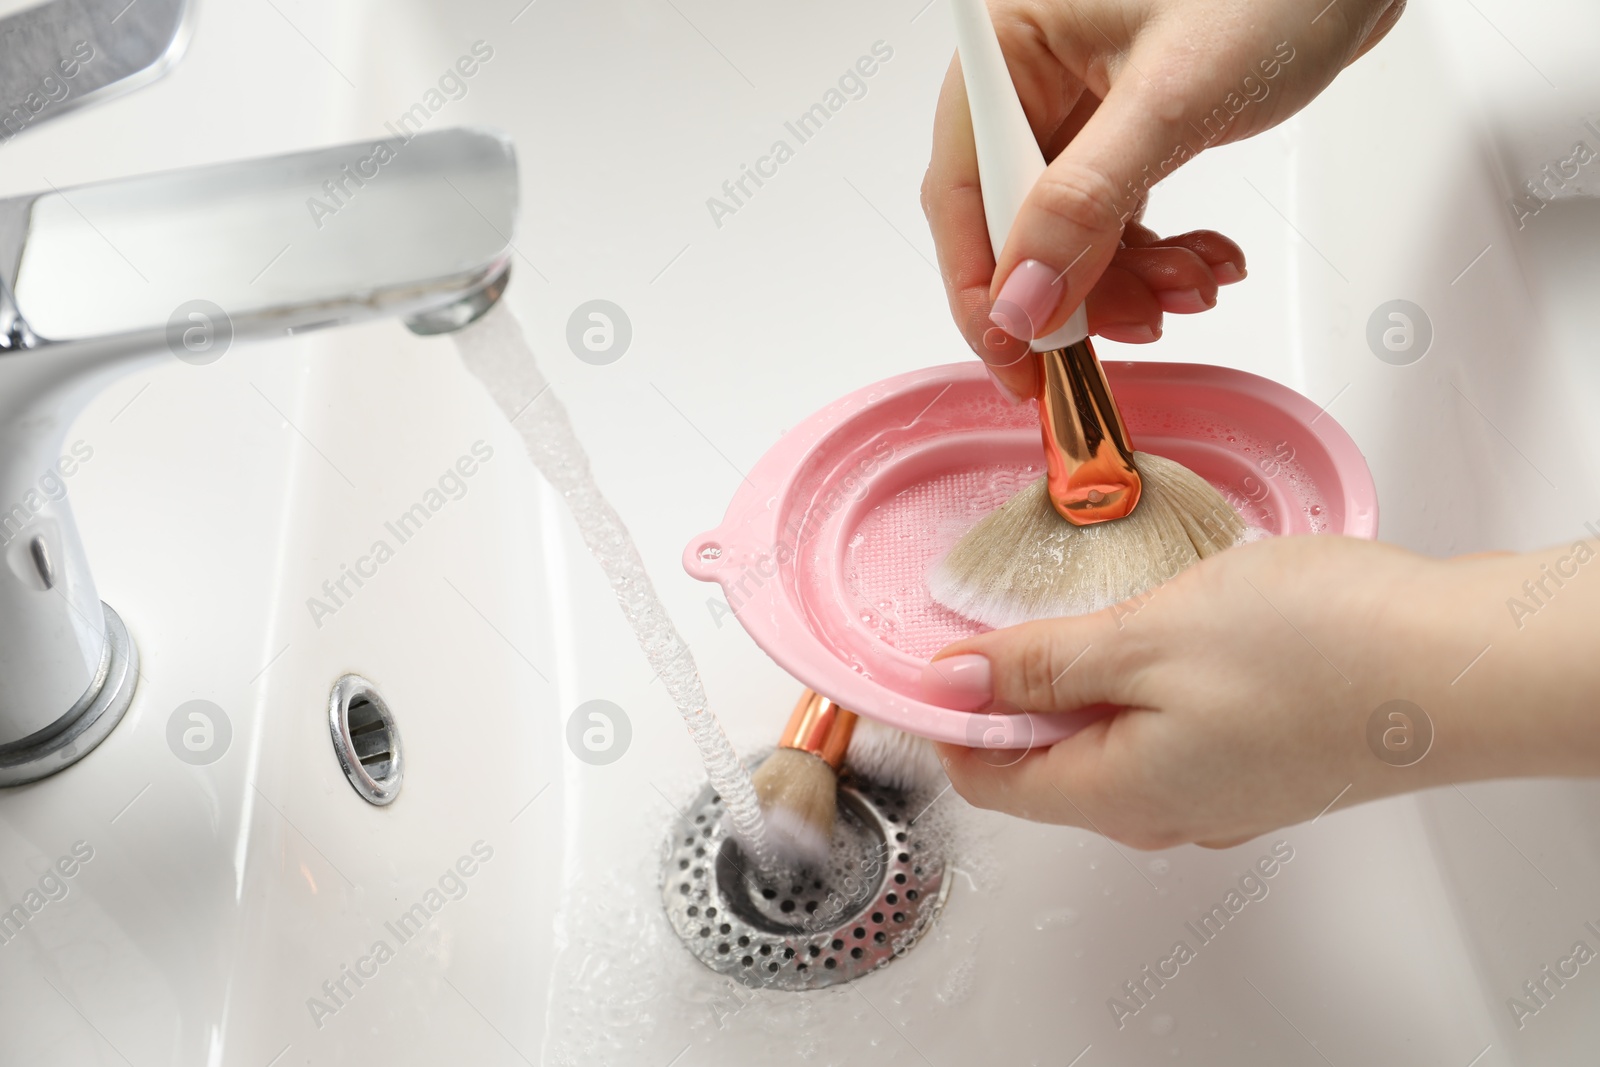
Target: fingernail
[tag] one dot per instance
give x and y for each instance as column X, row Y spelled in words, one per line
column 1226, row 273
column 1028, row 298
column 1000, row 386
column 1182, row 301
column 963, row 683
column 1129, row 333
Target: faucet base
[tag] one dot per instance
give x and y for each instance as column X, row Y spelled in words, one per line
column 102, row 708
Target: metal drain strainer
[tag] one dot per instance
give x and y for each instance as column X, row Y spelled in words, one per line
column 882, row 891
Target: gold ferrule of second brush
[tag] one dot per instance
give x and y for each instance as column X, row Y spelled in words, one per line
column 1090, row 460
column 820, row 727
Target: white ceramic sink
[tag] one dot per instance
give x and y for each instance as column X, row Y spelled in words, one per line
column 220, row 898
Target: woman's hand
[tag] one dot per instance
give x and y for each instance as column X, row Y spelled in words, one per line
column 1248, row 687
column 1120, row 93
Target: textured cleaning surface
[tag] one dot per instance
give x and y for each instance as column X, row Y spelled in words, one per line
column 898, row 543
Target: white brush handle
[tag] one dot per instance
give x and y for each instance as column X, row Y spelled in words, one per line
column 1009, row 160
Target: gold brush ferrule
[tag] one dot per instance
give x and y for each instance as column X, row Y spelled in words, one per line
column 820, row 727
column 1091, row 473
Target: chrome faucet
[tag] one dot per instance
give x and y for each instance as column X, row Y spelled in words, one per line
column 100, row 279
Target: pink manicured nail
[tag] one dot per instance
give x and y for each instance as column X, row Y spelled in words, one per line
column 1028, row 298
column 1000, row 386
column 964, row 682
column 1226, row 273
column 1182, row 301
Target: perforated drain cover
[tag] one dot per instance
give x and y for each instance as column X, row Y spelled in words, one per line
column 807, row 930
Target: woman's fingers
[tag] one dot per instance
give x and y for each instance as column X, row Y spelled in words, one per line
column 1124, row 308
column 1037, row 784
column 1380, row 28
column 1076, row 782
column 1018, row 783
column 1118, row 98
column 1135, row 284
column 1230, row 842
column 1176, row 275
column 1051, row 665
column 1220, row 253
column 953, row 203
column 1181, row 281
column 1071, row 225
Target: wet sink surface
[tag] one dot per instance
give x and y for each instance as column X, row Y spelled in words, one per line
column 233, row 911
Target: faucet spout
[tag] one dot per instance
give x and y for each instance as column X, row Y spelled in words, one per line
column 401, row 227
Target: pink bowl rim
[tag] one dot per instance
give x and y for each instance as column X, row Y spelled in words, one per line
column 749, row 521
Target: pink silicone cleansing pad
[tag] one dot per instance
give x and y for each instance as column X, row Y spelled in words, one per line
column 825, row 549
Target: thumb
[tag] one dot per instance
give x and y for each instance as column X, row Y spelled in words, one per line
column 1069, row 227
column 1054, row 665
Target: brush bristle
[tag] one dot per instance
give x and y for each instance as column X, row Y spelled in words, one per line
column 799, row 796
column 886, row 756
column 1023, row 561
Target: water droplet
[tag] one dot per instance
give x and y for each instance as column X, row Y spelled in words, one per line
column 1162, row 1025
column 1160, row 865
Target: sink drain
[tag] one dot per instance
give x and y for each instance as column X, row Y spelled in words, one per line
column 882, row 891
column 365, row 739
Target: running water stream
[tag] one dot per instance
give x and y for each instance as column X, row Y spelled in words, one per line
column 498, row 354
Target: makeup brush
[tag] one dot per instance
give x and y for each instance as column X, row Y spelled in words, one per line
column 798, row 784
column 883, row 755
column 1105, row 523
